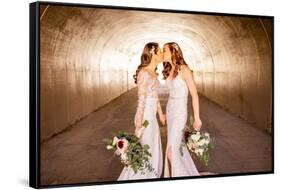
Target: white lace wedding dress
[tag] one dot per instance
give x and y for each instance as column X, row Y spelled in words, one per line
column 148, row 101
column 176, row 112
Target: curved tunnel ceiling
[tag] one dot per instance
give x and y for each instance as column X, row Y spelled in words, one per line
column 94, row 52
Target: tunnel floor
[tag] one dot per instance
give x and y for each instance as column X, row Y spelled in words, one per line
column 78, row 155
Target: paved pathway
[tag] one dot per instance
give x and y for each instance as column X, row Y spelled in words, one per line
column 79, row 155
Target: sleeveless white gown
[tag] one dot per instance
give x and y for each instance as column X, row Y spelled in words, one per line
column 176, row 112
column 147, row 108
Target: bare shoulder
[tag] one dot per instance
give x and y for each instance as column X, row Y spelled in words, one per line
column 185, row 70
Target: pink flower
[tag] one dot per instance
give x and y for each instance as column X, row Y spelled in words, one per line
column 122, row 145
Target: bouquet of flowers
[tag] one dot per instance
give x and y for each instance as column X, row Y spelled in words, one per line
column 198, row 143
column 130, row 151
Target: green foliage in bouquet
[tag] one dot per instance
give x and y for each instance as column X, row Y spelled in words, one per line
column 145, row 123
column 132, row 153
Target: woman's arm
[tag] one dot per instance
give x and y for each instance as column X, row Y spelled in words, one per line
column 142, row 83
column 188, row 77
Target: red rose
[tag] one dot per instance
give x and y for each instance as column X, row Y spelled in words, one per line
column 186, row 135
column 120, row 144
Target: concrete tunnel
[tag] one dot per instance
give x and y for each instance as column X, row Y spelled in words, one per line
column 88, row 57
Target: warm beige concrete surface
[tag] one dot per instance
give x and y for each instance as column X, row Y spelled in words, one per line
column 79, row 154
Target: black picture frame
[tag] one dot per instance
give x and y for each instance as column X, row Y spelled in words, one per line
column 34, row 91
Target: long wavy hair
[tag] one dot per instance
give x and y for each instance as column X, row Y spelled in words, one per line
column 177, row 60
column 146, row 57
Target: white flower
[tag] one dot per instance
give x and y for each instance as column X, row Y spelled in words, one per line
column 152, row 50
column 207, row 135
column 200, row 151
column 201, row 142
column 108, row 147
column 207, row 141
column 117, row 152
column 115, row 140
column 124, row 156
column 189, row 146
column 195, row 137
column 196, row 151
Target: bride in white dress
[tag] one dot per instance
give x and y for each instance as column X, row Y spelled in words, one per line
column 179, row 81
column 148, row 107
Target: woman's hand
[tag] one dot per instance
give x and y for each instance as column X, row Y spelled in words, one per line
column 197, row 124
column 139, row 131
column 162, row 118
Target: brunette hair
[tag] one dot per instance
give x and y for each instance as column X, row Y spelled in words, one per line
column 147, row 53
column 177, row 60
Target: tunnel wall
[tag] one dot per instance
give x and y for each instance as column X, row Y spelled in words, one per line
column 88, row 57
column 74, row 82
column 237, row 74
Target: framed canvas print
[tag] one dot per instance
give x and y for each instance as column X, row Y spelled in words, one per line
column 130, row 94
